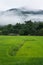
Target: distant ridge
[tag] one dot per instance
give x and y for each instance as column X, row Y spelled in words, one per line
column 19, row 15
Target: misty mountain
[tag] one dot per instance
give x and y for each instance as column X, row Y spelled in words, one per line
column 19, row 15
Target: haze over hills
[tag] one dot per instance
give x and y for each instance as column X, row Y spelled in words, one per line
column 19, row 15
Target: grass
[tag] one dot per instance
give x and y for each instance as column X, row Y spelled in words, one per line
column 21, row 50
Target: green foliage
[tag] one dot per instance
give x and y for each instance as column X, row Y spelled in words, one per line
column 41, row 32
column 28, row 28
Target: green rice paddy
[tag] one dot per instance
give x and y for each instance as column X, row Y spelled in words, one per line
column 21, row 50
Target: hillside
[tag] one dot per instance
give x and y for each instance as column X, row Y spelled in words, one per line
column 14, row 15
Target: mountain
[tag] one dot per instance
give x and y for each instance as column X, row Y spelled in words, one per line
column 14, row 15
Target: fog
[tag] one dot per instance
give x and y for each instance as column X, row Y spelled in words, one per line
column 4, row 20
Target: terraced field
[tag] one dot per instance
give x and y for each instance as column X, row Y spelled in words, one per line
column 21, row 50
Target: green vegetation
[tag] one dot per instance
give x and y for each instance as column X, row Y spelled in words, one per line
column 28, row 28
column 21, row 50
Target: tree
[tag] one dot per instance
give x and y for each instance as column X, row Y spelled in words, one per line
column 41, row 32
column 5, row 32
column 27, row 28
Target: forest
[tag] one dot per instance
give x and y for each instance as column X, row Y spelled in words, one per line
column 27, row 28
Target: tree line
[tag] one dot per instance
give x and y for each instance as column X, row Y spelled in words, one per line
column 27, row 28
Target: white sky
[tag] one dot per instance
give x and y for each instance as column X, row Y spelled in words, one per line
column 32, row 4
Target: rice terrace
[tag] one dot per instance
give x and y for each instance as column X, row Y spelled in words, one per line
column 21, row 50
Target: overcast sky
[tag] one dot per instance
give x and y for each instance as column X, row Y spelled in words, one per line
column 32, row 4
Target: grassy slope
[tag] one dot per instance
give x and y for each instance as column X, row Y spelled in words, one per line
column 30, row 53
